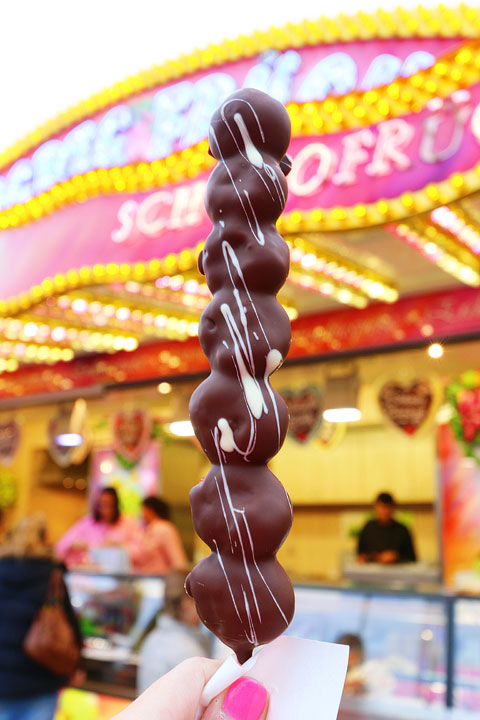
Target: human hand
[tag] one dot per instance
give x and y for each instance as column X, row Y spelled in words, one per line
column 176, row 696
column 245, row 699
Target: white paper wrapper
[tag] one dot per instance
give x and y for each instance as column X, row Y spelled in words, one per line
column 305, row 678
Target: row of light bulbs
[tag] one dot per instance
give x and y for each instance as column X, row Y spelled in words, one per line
column 328, row 288
column 458, row 226
column 100, row 274
column 434, row 250
column 155, row 323
column 335, row 269
column 24, row 331
column 35, row 353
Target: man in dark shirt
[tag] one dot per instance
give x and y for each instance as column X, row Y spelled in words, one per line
column 384, row 540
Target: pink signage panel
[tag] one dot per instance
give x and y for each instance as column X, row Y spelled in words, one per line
column 342, row 169
column 155, row 123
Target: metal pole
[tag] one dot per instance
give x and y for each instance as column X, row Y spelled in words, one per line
column 450, row 649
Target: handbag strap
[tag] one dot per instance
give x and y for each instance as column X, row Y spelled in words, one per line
column 56, row 588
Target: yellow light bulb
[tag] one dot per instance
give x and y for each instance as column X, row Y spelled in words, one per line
column 435, row 351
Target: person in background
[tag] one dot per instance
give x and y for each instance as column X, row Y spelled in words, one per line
column 28, row 691
column 177, row 635
column 158, row 549
column 105, row 527
column 372, row 677
column 354, row 684
column 384, row 539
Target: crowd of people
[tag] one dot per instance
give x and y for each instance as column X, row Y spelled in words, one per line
column 152, row 545
column 36, row 615
column 40, row 639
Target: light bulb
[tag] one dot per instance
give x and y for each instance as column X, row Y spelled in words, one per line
column 182, row 428
column 68, row 439
column 435, row 351
column 340, row 415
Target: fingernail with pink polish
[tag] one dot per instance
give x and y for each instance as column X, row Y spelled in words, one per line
column 245, row 699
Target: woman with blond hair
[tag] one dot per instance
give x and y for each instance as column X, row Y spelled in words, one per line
column 28, row 690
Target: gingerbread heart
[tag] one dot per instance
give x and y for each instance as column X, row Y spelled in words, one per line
column 305, row 408
column 132, row 432
column 407, row 407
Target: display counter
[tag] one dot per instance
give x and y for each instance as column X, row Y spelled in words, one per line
column 420, row 645
column 421, row 648
column 115, row 612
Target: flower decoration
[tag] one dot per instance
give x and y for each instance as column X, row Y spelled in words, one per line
column 464, row 397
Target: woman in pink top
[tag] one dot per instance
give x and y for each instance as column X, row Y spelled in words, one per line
column 106, row 527
column 159, row 549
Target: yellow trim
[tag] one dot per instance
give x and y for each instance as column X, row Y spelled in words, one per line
column 372, row 284
column 383, row 210
column 99, row 275
column 182, row 263
column 457, row 69
column 454, row 258
column 445, row 240
column 140, row 177
column 461, row 21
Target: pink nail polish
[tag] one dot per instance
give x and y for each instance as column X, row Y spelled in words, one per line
column 245, row 699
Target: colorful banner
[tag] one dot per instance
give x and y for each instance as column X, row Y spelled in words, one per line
column 439, row 315
column 340, row 169
column 83, row 216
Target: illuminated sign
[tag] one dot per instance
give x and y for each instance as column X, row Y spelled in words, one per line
column 154, row 124
column 382, row 161
column 343, row 169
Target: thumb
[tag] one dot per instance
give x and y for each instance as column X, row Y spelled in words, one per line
column 245, row 699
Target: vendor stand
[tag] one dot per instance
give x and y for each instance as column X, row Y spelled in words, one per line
column 102, row 217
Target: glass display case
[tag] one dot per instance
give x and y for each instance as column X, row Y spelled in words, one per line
column 415, row 654
column 398, row 642
column 466, row 652
column 115, row 612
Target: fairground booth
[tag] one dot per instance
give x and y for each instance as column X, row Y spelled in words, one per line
column 101, row 223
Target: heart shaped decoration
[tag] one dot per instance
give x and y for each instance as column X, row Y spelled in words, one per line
column 9, row 441
column 305, row 408
column 407, row 407
column 132, row 432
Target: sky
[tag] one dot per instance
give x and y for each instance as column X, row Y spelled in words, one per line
column 54, row 53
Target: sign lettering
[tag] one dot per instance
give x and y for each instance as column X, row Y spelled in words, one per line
column 153, row 125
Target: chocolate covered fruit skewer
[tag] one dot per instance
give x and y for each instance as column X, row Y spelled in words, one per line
column 241, row 510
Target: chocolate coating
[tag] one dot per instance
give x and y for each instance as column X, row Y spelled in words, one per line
column 240, row 509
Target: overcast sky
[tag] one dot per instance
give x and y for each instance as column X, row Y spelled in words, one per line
column 54, row 53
